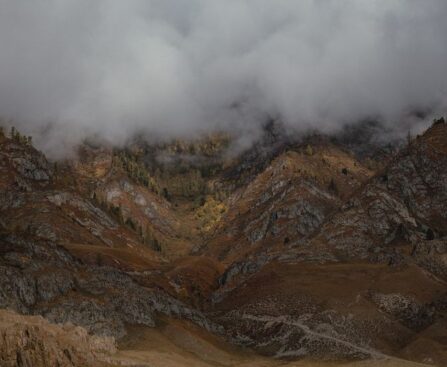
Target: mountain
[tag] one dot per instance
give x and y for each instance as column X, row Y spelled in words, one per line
column 302, row 248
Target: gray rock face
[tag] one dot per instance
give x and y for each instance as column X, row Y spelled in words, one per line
column 397, row 218
column 410, row 312
column 31, row 170
column 243, row 267
column 395, row 222
column 402, row 204
column 324, row 334
column 85, row 206
column 17, row 290
column 29, row 164
column 30, row 341
column 9, row 200
column 298, row 218
column 43, row 231
column 49, row 282
column 432, row 256
column 53, row 284
column 95, row 317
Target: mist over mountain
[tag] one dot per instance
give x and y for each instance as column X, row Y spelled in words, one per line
column 113, row 69
column 236, row 183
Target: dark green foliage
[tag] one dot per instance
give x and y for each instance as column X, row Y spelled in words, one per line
column 131, row 224
column 135, row 170
column 439, row 121
column 429, row 235
column 99, row 261
column 344, row 171
column 333, row 186
column 166, row 194
column 117, row 212
column 210, row 170
column 156, row 245
column 15, row 135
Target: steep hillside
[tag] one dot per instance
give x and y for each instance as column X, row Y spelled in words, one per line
column 31, row 341
column 41, row 201
column 295, row 248
column 65, row 257
column 288, row 201
column 369, row 279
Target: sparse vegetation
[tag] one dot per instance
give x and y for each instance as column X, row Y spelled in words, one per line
column 214, row 236
column 150, row 239
column 136, row 170
column 210, row 213
column 131, row 224
column 438, row 121
column 429, row 235
column 333, row 186
column 166, row 194
column 15, row 135
column 309, row 150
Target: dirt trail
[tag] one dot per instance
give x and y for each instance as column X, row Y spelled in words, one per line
column 178, row 344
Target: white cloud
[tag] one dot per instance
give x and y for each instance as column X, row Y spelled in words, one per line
column 174, row 67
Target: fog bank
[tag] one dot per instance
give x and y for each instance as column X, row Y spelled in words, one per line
column 112, row 68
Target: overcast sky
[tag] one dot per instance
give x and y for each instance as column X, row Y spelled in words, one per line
column 175, row 67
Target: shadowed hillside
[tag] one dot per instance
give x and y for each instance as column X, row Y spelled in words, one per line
column 314, row 252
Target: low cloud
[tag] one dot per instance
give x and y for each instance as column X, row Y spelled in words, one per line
column 112, row 68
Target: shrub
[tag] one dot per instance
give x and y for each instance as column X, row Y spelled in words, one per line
column 309, row 150
column 131, row 224
column 333, row 186
column 430, row 235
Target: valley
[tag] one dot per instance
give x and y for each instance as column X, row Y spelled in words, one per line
column 297, row 251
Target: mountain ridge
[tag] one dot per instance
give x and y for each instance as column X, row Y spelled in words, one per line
column 308, row 253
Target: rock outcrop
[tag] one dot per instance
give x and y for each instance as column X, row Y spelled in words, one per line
column 31, row 341
column 311, row 252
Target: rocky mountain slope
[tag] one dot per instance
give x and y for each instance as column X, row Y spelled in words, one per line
column 298, row 247
column 31, row 341
column 369, row 278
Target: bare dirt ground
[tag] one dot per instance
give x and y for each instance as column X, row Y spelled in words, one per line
column 179, row 344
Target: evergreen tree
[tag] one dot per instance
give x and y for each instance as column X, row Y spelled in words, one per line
column 166, row 193
column 429, row 235
column 333, row 186
column 409, row 137
column 439, row 121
